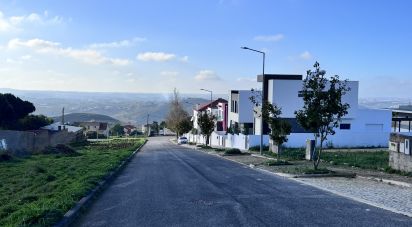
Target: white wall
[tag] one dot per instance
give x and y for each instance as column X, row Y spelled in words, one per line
column 245, row 108
column 371, row 127
column 284, row 93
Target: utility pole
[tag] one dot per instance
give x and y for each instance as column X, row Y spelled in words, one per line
column 147, row 125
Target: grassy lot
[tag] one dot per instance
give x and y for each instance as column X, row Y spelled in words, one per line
column 378, row 160
column 39, row 190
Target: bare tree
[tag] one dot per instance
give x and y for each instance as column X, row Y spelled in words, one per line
column 177, row 117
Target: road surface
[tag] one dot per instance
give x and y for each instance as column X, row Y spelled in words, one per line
column 169, row 185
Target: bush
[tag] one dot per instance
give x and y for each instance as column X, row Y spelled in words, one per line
column 277, row 163
column 318, row 171
column 61, row 149
column 220, row 149
column 257, row 148
column 204, row 146
column 233, row 151
column 191, row 143
column 5, row 156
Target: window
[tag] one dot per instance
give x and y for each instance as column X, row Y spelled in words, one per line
column 344, row 126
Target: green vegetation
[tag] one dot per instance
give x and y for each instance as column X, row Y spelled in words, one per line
column 233, row 151
column 317, row 171
column 220, row 149
column 277, row 163
column 365, row 160
column 38, row 190
column 204, row 146
column 289, row 154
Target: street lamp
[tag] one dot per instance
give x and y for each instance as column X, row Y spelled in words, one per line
column 211, row 94
column 263, row 75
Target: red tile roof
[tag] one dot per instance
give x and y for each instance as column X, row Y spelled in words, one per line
column 213, row 104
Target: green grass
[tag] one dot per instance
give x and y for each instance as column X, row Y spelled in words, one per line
column 39, row 190
column 365, row 160
column 233, row 151
column 289, row 154
column 277, row 163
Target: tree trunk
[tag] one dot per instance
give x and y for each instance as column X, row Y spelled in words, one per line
column 314, row 153
column 319, row 153
column 279, row 150
column 207, row 140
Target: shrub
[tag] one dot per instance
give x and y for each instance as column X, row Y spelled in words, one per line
column 257, row 148
column 5, row 156
column 277, row 163
column 233, row 151
column 61, row 149
column 318, row 171
column 220, row 149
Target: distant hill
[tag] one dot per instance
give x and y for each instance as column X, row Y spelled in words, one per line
column 79, row 117
column 129, row 108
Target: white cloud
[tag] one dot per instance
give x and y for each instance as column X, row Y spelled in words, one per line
column 25, row 57
column 246, row 79
column 206, row 75
column 88, row 56
column 15, row 23
column 117, row 44
column 184, row 59
column 155, row 56
column 169, row 73
column 305, row 55
column 269, row 38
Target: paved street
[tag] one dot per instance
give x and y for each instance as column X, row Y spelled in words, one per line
column 169, row 185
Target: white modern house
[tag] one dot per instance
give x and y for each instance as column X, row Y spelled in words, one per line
column 241, row 113
column 361, row 127
column 218, row 108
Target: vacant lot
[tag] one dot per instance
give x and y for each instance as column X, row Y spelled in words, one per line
column 38, row 190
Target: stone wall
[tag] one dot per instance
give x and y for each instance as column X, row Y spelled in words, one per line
column 21, row 143
column 400, row 161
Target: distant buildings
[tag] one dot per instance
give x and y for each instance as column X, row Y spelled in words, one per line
column 101, row 128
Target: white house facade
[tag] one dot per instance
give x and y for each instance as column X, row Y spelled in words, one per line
column 240, row 110
column 359, row 128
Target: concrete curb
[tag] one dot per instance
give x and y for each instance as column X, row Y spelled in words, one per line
column 391, row 182
column 84, row 202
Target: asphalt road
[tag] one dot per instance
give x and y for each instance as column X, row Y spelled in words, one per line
column 169, row 185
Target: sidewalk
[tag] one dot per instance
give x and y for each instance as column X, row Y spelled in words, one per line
column 387, row 191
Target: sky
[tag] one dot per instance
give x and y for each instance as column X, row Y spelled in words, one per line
column 154, row 46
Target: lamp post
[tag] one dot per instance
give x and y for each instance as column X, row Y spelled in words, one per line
column 261, row 105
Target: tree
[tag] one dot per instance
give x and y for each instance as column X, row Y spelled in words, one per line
column 33, row 122
column 323, row 107
column 117, row 130
column 279, row 128
column 162, row 125
column 206, row 123
column 12, row 109
column 184, row 126
column 155, row 127
column 177, row 117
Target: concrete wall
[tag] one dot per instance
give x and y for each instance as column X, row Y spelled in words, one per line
column 22, row 143
column 400, row 161
column 242, row 142
column 245, row 108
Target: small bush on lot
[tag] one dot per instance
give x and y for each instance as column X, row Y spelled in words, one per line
column 220, row 149
column 61, row 149
column 277, row 163
column 290, row 154
column 257, row 148
column 233, row 151
column 318, row 171
column 5, row 156
column 204, row 146
column 191, row 143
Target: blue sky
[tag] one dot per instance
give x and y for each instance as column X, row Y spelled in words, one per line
column 153, row 46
